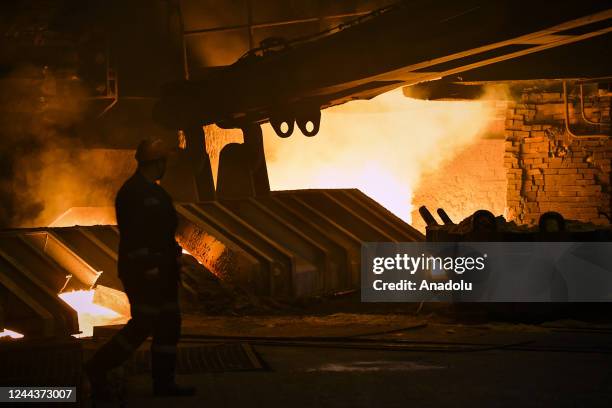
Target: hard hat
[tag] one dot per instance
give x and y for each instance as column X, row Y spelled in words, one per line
column 151, row 149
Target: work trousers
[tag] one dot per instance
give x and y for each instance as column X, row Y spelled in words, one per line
column 155, row 312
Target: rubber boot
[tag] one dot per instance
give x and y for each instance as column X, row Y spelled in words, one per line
column 108, row 357
column 98, row 381
column 163, row 370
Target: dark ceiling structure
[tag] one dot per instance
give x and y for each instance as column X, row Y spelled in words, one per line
column 406, row 43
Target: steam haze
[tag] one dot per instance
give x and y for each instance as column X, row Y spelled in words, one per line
column 44, row 169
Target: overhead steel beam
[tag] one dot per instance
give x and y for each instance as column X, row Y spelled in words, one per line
column 410, row 43
column 269, row 24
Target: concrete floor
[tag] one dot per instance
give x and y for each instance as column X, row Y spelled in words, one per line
column 556, row 366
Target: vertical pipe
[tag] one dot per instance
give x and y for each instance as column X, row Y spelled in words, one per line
column 567, row 120
column 250, row 23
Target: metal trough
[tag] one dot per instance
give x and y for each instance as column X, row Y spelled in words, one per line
column 38, row 264
column 286, row 244
column 289, row 243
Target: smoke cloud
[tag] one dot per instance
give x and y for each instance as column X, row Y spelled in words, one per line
column 44, row 169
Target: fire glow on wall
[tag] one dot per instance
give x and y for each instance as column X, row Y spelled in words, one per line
column 382, row 147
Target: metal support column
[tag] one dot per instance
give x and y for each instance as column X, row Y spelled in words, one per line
column 200, row 163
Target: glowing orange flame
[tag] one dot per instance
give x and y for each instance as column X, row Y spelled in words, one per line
column 11, row 334
column 85, row 216
column 382, row 146
column 90, row 314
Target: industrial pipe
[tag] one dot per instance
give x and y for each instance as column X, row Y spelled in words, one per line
column 427, row 216
column 567, row 121
column 444, row 217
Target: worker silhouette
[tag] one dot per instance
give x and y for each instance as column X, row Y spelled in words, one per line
column 149, row 268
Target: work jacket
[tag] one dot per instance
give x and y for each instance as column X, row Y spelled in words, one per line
column 147, row 225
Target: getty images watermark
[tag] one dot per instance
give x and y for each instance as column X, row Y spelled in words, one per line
column 487, row 272
column 438, row 265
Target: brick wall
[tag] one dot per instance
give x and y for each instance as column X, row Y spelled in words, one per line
column 474, row 179
column 550, row 171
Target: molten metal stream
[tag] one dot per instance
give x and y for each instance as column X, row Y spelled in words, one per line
column 90, row 314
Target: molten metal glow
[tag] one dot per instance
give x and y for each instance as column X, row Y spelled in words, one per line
column 382, row 147
column 85, row 216
column 11, row 334
column 185, row 252
column 90, row 314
